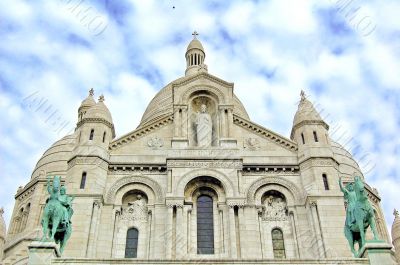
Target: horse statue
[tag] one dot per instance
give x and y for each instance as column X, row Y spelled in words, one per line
column 56, row 220
column 359, row 214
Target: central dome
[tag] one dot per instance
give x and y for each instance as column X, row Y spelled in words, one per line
column 162, row 104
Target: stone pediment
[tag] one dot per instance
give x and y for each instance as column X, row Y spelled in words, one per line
column 263, row 133
column 141, row 132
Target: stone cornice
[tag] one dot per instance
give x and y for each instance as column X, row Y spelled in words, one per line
column 140, row 132
column 276, row 138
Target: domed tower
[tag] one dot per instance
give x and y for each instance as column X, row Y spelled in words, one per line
column 2, row 233
column 195, row 56
column 396, row 234
column 95, row 130
column 310, row 132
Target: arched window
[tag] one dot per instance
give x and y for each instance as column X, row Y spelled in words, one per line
column 277, row 243
column 131, row 243
column 91, row 134
column 325, row 180
column 205, row 225
column 315, row 136
column 83, row 180
column 302, row 138
column 104, row 137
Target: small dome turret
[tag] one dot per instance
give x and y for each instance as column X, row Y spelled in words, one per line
column 86, row 104
column 100, row 111
column 306, row 112
column 195, row 56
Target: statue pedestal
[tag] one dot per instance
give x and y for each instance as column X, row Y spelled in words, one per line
column 179, row 143
column 41, row 253
column 228, row 143
column 378, row 253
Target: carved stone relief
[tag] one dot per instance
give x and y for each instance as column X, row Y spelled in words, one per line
column 136, row 210
column 251, row 144
column 275, row 207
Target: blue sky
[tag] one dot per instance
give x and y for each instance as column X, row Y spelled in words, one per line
column 344, row 54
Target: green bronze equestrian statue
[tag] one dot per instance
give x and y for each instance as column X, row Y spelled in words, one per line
column 359, row 214
column 56, row 220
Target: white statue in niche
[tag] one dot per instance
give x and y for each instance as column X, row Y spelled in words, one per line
column 136, row 210
column 203, row 127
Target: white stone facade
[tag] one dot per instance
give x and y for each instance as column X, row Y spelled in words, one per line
column 161, row 162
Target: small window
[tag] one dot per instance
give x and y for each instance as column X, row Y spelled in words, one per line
column 278, row 244
column 315, row 136
column 302, row 138
column 104, row 137
column 91, row 134
column 325, row 180
column 83, row 180
column 131, row 246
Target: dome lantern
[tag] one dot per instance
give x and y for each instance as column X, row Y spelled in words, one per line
column 195, row 56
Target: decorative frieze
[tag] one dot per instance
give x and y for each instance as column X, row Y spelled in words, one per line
column 233, row 164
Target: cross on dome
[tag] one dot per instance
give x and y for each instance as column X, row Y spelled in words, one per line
column 91, row 92
column 195, row 34
column 302, row 95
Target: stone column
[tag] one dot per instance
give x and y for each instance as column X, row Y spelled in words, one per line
column 169, row 231
column 176, row 122
column 117, row 214
column 92, row 241
column 221, row 229
column 185, row 122
column 222, row 122
column 179, row 238
column 230, row 122
column 150, row 228
column 294, row 232
column 261, row 230
column 232, row 232
column 317, row 229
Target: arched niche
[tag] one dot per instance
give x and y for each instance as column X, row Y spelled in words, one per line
column 291, row 192
column 204, row 185
column 132, row 196
column 210, row 101
column 227, row 185
column 149, row 187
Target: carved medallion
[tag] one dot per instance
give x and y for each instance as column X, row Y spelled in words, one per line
column 155, row 142
column 251, row 143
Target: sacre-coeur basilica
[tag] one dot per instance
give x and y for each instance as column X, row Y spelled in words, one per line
column 197, row 182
